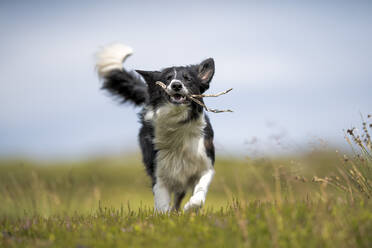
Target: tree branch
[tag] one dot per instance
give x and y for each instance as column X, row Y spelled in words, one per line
column 194, row 98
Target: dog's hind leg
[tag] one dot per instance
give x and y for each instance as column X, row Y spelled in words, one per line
column 178, row 196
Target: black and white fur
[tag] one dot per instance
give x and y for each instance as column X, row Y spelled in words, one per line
column 176, row 136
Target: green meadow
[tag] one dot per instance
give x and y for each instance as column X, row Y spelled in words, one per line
column 316, row 199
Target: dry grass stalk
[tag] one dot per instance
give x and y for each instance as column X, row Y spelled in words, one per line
column 330, row 181
column 193, row 98
column 356, row 171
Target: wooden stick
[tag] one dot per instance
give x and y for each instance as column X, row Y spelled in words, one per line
column 161, row 84
column 206, row 108
column 213, row 95
column 193, row 98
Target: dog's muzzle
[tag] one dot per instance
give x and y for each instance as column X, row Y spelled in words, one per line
column 177, row 92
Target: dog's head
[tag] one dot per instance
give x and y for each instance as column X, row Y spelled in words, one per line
column 180, row 81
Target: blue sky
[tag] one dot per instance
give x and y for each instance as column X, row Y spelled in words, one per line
column 301, row 72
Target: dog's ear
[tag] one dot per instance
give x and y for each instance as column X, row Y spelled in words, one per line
column 149, row 76
column 205, row 73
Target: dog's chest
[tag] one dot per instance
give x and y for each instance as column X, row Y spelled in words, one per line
column 181, row 156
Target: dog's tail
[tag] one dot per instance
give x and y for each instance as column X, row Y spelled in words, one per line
column 128, row 86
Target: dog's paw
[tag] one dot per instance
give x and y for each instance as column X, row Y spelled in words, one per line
column 196, row 201
column 162, row 208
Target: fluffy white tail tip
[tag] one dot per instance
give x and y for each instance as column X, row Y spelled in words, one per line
column 112, row 57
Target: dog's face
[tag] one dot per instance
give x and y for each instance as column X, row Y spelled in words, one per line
column 180, row 81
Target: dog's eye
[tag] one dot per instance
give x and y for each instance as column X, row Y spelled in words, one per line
column 169, row 77
column 186, row 77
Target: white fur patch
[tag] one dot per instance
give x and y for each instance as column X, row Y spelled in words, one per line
column 200, row 191
column 149, row 114
column 196, row 201
column 112, row 57
column 162, row 197
column 181, row 158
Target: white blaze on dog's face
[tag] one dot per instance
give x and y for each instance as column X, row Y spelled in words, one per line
column 180, row 81
column 177, row 89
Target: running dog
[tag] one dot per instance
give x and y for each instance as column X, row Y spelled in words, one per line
column 176, row 137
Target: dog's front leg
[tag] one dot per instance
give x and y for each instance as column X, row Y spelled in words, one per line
column 200, row 191
column 162, row 197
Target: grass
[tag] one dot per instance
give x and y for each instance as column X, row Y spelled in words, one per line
column 48, row 189
column 319, row 199
column 257, row 224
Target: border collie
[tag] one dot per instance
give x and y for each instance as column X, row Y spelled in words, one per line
column 176, row 136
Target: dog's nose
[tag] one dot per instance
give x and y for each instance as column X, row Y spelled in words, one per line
column 176, row 86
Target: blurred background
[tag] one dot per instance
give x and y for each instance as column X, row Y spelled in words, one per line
column 301, row 72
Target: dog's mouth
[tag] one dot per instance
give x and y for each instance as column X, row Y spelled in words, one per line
column 178, row 98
